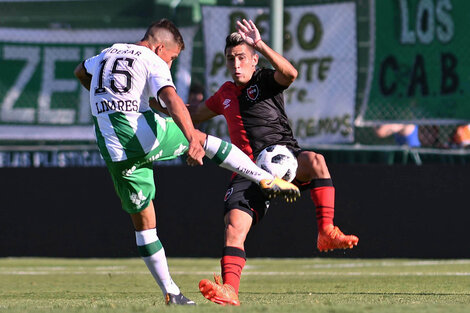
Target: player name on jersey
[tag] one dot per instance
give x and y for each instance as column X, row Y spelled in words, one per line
column 127, row 51
column 119, row 105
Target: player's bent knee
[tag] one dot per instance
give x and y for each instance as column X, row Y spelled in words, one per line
column 311, row 165
column 318, row 160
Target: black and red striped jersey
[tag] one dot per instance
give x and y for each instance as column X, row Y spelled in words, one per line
column 254, row 113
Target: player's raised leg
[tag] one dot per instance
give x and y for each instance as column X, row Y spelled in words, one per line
column 230, row 157
column 313, row 171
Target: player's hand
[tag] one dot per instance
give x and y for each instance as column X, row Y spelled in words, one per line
column 195, row 153
column 249, row 32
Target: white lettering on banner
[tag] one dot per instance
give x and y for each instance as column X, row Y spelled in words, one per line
column 85, row 158
column 43, row 113
column 40, row 91
column 84, row 112
column 320, row 41
column 432, row 18
column 31, row 56
column 50, row 85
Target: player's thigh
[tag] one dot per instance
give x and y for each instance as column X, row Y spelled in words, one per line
column 244, row 195
column 134, row 183
column 172, row 144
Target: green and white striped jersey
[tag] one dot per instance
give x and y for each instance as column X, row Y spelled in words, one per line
column 125, row 76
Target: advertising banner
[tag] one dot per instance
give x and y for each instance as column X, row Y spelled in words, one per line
column 40, row 98
column 320, row 41
column 421, row 63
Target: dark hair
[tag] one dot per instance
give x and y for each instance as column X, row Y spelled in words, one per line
column 169, row 26
column 196, row 88
column 233, row 40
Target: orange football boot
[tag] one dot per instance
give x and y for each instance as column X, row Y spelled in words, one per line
column 218, row 293
column 332, row 238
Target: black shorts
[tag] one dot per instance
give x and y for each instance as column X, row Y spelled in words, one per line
column 245, row 195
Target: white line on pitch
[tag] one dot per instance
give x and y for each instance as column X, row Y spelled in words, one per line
column 245, row 273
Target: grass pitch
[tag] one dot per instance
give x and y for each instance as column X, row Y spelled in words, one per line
column 268, row 285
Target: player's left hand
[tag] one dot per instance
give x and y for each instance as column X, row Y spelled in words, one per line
column 249, row 32
column 195, row 153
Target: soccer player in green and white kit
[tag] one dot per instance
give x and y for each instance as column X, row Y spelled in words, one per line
column 121, row 80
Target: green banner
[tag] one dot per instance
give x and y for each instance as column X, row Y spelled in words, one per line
column 421, row 67
column 40, row 98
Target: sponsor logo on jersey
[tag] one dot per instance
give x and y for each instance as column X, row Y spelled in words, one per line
column 252, row 92
column 226, row 103
column 228, row 193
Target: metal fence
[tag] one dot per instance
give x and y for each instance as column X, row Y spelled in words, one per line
column 412, row 64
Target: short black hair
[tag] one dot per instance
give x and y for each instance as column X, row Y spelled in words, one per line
column 233, row 40
column 196, row 87
column 169, row 26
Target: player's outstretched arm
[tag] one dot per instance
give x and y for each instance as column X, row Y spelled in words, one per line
column 180, row 115
column 82, row 75
column 200, row 113
column 285, row 72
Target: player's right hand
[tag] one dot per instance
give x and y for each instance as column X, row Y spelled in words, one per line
column 249, row 32
column 195, row 153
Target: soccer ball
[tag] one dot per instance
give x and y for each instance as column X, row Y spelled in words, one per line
column 279, row 161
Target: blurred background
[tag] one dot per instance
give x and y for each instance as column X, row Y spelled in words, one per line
column 383, row 93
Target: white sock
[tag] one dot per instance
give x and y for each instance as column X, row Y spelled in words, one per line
column 153, row 254
column 230, row 157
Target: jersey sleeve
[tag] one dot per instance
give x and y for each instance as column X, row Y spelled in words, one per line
column 267, row 77
column 214, row 104
column 91, row 64
column 159, row 77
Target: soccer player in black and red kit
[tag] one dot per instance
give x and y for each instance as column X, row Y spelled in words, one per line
column 253, row 105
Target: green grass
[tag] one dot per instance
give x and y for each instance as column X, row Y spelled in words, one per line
column 268, row 285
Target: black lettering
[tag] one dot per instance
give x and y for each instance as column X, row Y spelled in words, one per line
column 105, row 104
column 288, row 38
column 259, row 22
column 128, row 105
column 312, row 128
column 134, row 103
column 98, row 109
column 301, row 95
column 309, row 19
column 389, row 63
column 418, row 78
column 217, row 63
column 336, row 125
column 299, row 128
column 324, row 67
column 234, row 17
column 347, row 129
column 325, row 125
column 120, row 105
column 449, row 77
column 309, row 63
